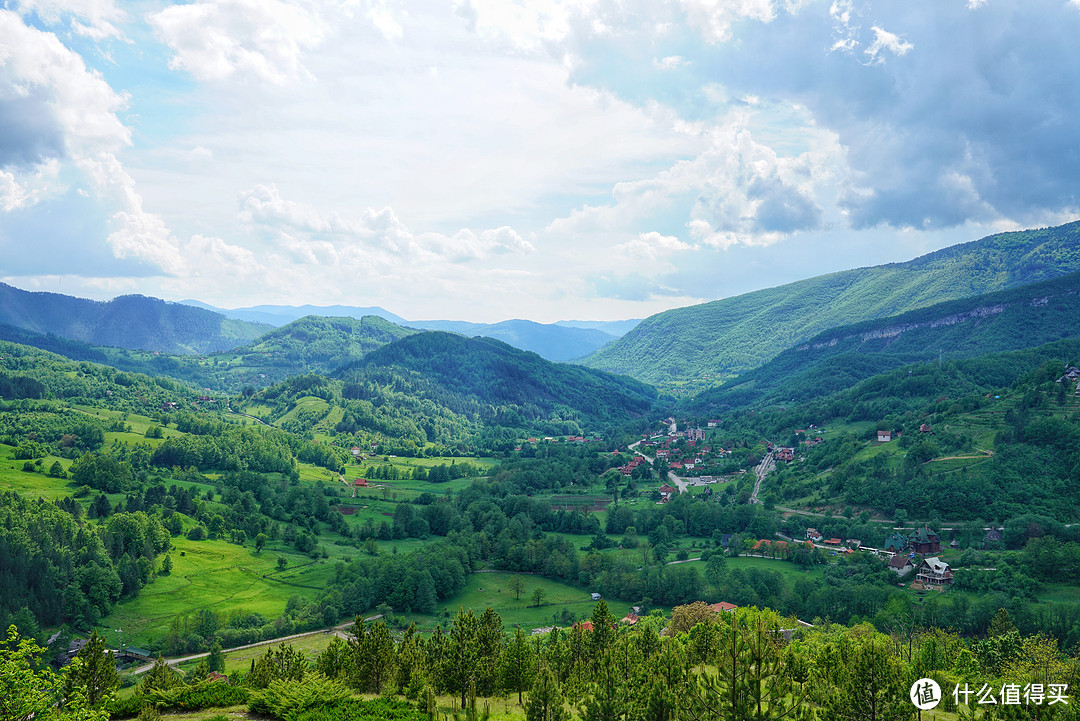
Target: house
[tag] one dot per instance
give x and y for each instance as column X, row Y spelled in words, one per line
column 355, row 451
column 993, row 536
column 215, row 676
column 884, row 436
column 725, row 539
column 630, row 619
column 596, row 596
column 542, row 630
column 584, row 625
column 360, row 482
column 723, row 607
column 901, row 564
column 926, row 428
column 713, row 424
column 813, row 534
column 896, row 543
column 925, row 541
column 785, row 454
column 832, row 542
column 934, row 572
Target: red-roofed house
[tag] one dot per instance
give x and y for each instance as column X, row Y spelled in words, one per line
column 362, row 482
column 723, row 607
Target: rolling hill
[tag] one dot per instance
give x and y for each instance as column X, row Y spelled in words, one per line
column 561, row 341
column 130, row 321
column 711, row 341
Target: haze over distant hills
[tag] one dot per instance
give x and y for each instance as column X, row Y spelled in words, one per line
column 711, row 341
column 129, row 321
column 560, row 341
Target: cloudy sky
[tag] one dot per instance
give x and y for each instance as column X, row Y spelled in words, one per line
column 483, row 160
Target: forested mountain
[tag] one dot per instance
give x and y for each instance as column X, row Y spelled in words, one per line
column 560, row 341
column 1024, row 317
column 454, row 392
column 496, row 373
column 710, row 341
column 130, row 321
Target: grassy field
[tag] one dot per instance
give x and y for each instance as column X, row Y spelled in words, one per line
column 220, row 576
column 492, row 590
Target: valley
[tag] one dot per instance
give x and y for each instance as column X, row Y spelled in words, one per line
column 510, row 524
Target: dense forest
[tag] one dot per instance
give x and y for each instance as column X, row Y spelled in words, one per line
column 713, row 341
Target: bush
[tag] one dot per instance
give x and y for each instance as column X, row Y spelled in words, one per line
column 205, row 694
column 288, row 699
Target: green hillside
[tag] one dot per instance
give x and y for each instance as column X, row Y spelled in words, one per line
column 499, row 374
column 313, row 344
column 709, row 342
column 1024, row 317
column 451, row 391
column 985, row 438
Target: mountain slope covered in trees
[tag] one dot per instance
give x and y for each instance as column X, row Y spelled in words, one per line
column 710, row 341
column 1025, row 317
column 454, row 392
column 130, row 321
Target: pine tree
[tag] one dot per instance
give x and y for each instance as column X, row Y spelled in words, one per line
column 216, row 660
column 95, row 673
column 545, row 702
column 517, row 666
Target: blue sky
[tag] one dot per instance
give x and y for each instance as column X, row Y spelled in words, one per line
column 485, row 160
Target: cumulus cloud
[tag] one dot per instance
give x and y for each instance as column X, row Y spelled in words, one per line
column 311, row 235
column 651, row 246
column 715, row 18
column 214, row 41
column 736, row 191
column 93, row 18
column 79, row 124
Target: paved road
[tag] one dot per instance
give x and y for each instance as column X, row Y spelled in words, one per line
column 768, row 463
column 191, row 657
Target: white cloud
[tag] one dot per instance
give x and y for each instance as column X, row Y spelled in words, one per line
column 652, row 246
column 214, row 41
column 736, row 191
column 527, row 25
column 84, row 108
column 29, row 188
column 377, row 236
column 884, row 40
column 715, row 18
column 92, row 18
column 670, row 62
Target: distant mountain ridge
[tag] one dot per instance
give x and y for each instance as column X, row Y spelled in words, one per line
column 561, row 341
column 710, row 341
column 129, row 321
column 1025, row 317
